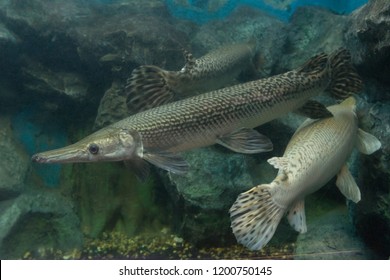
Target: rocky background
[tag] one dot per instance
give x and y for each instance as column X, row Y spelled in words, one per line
column 63, row 65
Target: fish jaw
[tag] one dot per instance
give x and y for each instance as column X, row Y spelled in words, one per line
column 111, row 144
column 69, row 154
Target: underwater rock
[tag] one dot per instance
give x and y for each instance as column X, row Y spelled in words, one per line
column 45, row 81
column 6, row 36
column 37, row 220
column 245, row 25
column 14, row 162
column 112, row 107
column 311, row 30
column 373, row 211
column 203, row 196
column 126, row 38
column 331, row 236
column 368, row 36
column 109, row 198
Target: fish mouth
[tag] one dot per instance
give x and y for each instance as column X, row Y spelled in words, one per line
column 68, row 154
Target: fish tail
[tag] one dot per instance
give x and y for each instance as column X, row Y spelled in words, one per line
column 149, row 86
column 345, row 81
column 255, row 217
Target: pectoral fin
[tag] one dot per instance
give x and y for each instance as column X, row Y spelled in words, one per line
column 367, row 143
column 246, row 141
column 347, row 185
column 314, row 110
column 168, row 161
column 140, row 167
column 296, row 216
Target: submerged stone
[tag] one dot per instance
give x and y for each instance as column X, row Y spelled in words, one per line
column 373, row 211
column 14, row 162
column 203, row 196
column 368, row 37
column 331, row 236
column 37, row 220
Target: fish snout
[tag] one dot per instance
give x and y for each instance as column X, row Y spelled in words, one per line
column 38, row 158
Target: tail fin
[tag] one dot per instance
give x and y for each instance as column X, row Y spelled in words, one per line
column 255, row 217
column 344, row 79
column 148, row 87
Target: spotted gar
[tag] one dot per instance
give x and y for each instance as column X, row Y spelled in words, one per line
column 226, row 116
column 150, row 86
column 316, row 153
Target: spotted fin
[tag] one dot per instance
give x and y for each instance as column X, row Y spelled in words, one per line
column 149, row 86
column 168, row 161
column 296, row 216
column 344, row 80
column 314, row 110
column 347, row 185
column 254, row 217
column 246, row 141
column 367, row 143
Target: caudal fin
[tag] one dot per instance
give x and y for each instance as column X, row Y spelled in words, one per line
column 148, row 87
column 345, row 81
column 255, row 217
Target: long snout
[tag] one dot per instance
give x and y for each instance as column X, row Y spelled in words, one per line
column 68, row 154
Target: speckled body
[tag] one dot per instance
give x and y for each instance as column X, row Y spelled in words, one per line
column 315, row 154
column 200, row 120
column 211, row 71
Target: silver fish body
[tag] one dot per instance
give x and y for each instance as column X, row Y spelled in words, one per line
column 224, row 116
column 316, row 153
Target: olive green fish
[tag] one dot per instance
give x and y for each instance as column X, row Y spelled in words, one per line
column 150, row 86
column 226, row 116
column 316, row 153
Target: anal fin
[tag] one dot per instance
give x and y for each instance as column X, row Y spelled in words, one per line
column 246, row 141
column 296, row 216
column 347, row 185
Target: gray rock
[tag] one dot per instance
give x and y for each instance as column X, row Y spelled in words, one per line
column 14, row 162
column 112, row 107
column 37, row 221
column 43, row 80
column 6, row 36
column 204, row 195
column 331, row 236
column 372, row 214
column 311, row 30
column 368, row 36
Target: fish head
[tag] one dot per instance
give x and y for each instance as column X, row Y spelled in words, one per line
column 107, row 144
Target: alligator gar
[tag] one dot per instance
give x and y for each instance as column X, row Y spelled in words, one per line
column 226, row 116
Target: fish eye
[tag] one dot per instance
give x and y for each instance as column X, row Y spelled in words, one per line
column 93, row 149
